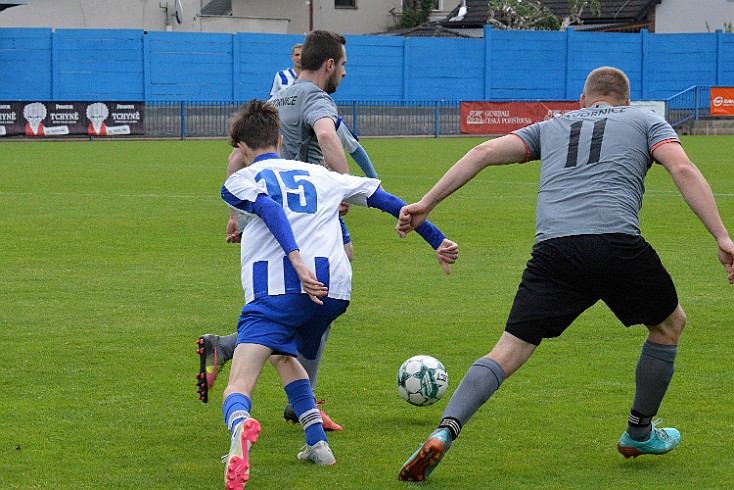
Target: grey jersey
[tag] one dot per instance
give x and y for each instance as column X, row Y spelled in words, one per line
column 300, row 105
column 593, row 167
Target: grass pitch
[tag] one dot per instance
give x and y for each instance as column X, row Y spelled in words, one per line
column 114, row 262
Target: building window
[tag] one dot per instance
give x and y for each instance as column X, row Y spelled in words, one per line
column 416, row 4
column 345, row 3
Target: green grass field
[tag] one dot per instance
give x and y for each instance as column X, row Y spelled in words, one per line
column 114, row 262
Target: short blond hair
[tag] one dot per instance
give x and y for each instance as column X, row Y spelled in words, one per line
column 607, row 82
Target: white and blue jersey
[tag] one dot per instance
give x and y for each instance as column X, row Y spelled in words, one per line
column 282, row 79
column 310, row 196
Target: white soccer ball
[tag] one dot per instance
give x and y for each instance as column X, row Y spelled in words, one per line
column 422, row 380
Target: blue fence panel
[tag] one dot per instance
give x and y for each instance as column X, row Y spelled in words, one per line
column 188, row 66
column 441, row 68
column 590, row 50
column 375, row 69
column 674, row 62
column 78, row 64
column 26, row 57
column 725, row 75
column 257, row 58
column 98, row 64
column 527, row 65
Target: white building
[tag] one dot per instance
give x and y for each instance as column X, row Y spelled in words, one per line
column 271, row 16
column 301, row 16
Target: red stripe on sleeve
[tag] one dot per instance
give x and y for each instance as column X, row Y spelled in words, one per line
column 660, row 143
column 527, row 148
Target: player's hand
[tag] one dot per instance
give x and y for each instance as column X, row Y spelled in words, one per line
column 310, row 283
column 447, row 253
column 233, row 236
column 726, row 256
column 410, row 218
column 343, row 208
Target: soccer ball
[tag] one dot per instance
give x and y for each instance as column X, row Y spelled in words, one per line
column 422, row 380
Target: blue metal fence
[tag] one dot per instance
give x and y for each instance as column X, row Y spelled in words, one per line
column 206, row 119
column 186, row 119
column 688, row 105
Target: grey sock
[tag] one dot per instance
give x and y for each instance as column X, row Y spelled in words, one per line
column 481, row 381
column 312, row 365
column 226, row 346
column 652, row 376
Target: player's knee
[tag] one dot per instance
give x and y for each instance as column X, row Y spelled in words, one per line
column 277, row 359
column 670, row 330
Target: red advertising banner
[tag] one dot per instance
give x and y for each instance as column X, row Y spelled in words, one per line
column 72, row 118
column 504, row 117
column 722, row 101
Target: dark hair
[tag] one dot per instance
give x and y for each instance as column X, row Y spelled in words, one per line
column 257, row 125
column 320, row 46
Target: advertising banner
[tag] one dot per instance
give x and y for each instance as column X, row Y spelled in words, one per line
column 722, row 101
column 504, row 117
column 71, row 118
column 656, row 106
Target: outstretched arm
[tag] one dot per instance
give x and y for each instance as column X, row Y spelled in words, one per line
column 698, row 195
column 446, row 251
column 499, row 151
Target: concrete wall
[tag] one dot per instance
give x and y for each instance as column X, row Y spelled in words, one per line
column 129, row 64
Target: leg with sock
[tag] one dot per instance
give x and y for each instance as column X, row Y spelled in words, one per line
column 245, row 430
column 653, row 373
column 481, row 381
column 300, row 397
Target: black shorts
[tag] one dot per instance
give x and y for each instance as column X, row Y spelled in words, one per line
column 567, row 275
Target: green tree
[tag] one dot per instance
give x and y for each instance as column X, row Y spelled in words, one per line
column 576, row 9
column 415, row 13
column 521, row 15
column 533, row 15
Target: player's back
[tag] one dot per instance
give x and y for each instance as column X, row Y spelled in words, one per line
column 310, row 196
column 593, row 167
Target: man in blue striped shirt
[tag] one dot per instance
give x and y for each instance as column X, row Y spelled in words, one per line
column 285, row 77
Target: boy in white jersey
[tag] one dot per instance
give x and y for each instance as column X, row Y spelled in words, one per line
column 312, row 132
column 295, row 274
column 588, row 248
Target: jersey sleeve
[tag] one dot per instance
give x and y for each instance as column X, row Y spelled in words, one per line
column 349, row 141
column 319, row 105
column 239, row 188
column 660, row 132
column 355, row 190
column 530, row 135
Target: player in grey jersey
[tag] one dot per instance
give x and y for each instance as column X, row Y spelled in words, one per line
column 588, row 248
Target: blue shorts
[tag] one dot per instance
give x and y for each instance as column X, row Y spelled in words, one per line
column 288, row 323
column 346, row 237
